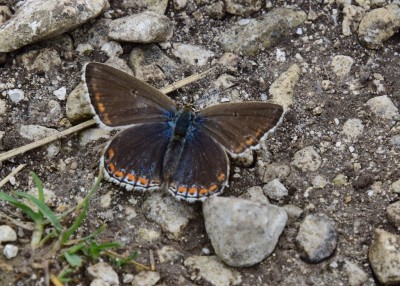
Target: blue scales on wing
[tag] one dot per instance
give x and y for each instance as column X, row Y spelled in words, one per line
column 134, row 157
column 203, row 169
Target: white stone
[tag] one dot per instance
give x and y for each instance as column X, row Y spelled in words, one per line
column 7, row 234
column 61, row 93
column 341, row 65
column 103, row 271
column 353, row 128
column 112, row 49
column 84, row 49
column 190, row 54
column 275, row 190
column 242, row 232
column 356, row 276
column 16, row 95
column 383, row 107
column 146, row 27
column 170, row 214
column 10, row 251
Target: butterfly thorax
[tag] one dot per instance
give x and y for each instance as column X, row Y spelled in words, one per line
column 183, row 125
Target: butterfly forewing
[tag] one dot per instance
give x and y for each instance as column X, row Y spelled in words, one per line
column 134, row 157
column 238, row 126
column 119, row 99
column 203, row 169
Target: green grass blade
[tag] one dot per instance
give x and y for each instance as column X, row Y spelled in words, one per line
column 38, row 185
column 73, row 259
column 45, row 210
column 36, row 217
column 85, row 207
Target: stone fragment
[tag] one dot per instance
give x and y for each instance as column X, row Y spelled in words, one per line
column 384, row 257
column 282, row 89
column 156, row 6
column 379, row 25
column 242, row 7
column 150, row 64
column 7, row 234
column 191, row 54
column 275, row 171
column 383, row 107
column 77, row 107
column 40, row 61
column 341, row 65
column 170, row 214
column 393, row 214
column 103, row 271
column 317, row 238
column 146, row 278
column 352, row 16
column 16, row 95
column 146, row 27
column 10, row 251
column 275, row 190
column 33, row 21
column 307, row 159
column 353, row 128
column 356, row 275
column 212, row 271
column 260, row 34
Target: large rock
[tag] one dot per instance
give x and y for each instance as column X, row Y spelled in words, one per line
column 261, row 34
column 379, row 25
column 39, row 19
column 241, row 231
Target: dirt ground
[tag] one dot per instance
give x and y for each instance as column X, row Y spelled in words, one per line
column 354, row 210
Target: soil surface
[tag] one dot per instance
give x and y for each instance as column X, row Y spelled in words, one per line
column 357, row 207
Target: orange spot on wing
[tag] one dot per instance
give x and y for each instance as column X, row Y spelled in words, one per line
column 111, row 153
column 131, row 177
column 101, row 107
column 182, row 190
column 192, row 191
column 119, row 174
column 143, row 181
column 203, row 192
column 221, row 177
column 250, row 141
column 213, row 188
column 111, row 167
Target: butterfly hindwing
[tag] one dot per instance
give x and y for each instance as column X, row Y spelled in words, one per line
column 119, row 99
column 134, row 157
column 203, row 169
column 238, row 126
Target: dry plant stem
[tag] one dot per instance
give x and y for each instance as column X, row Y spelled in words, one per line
column 114, row 254
column 25, row 225
column 13, row 173
column 54, row 279
column 91, row 122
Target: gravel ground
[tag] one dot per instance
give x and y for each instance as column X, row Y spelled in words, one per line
column 322, row 191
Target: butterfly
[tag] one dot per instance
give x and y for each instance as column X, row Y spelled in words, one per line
column 164, row 147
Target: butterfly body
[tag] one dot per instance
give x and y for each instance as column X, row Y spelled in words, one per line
column 180, row 151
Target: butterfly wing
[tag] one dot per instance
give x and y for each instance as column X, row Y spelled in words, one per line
column 119, row 99
column 203, row 169
column 238, row 126
column 135, row 156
